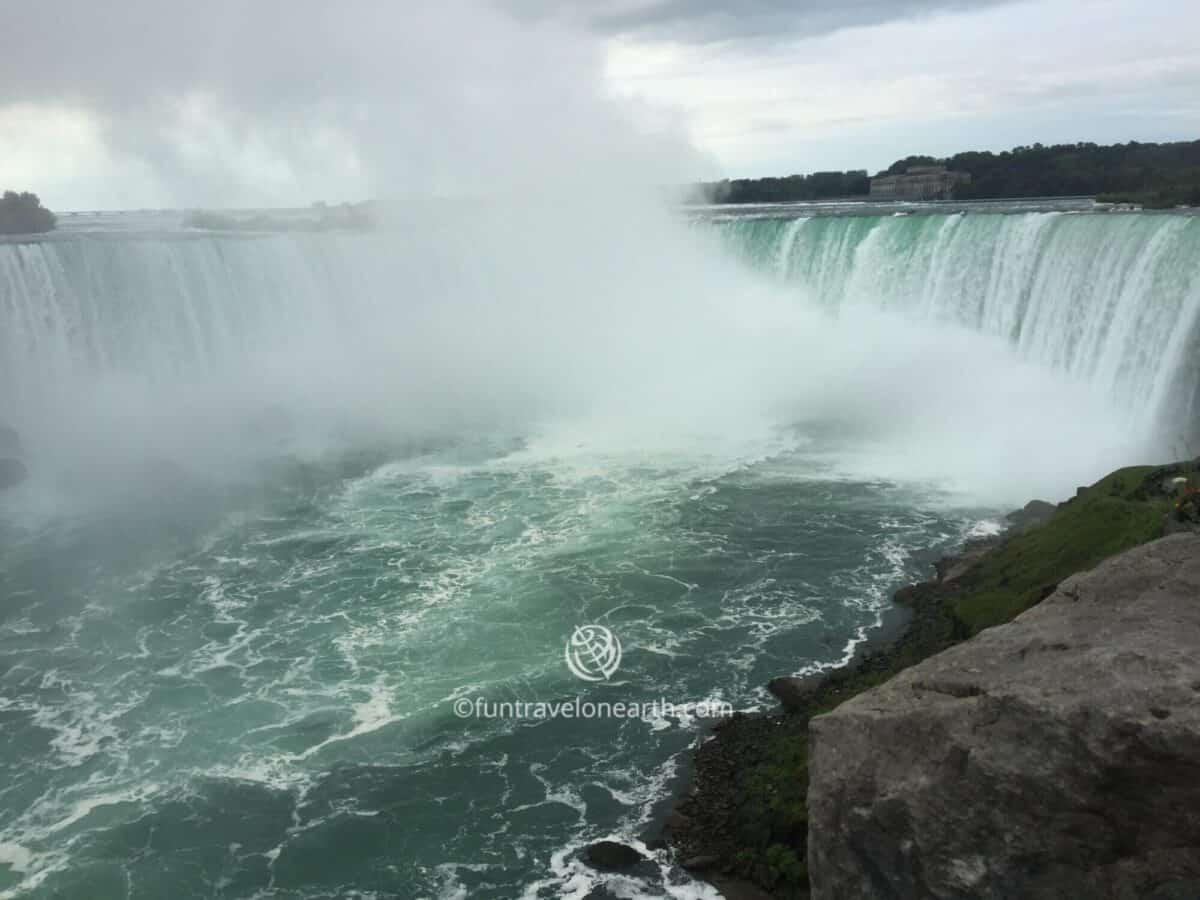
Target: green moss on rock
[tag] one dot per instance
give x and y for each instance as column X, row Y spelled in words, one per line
column 1111, row 516
column 751, row 808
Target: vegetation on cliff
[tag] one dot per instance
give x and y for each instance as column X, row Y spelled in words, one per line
column 1171, row 171
column 749, row 809
column 817, row 186
column 1153, row 175
column 24, row 214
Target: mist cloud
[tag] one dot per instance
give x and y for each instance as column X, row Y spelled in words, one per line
column 717, row 20
column 229, row 101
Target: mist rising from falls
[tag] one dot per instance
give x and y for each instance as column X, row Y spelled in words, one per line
column 473, row 321
column 602, row 332
column 1113, row 301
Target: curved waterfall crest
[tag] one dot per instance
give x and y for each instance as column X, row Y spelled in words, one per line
column 1113, row 300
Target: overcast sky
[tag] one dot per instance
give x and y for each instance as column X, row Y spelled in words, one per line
column 158, row 102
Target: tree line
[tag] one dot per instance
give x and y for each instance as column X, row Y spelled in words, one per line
column 817, row 186
column 1147, row 173
column 24, row 214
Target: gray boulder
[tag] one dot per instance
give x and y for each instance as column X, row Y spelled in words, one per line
column 1055, row 756
column 795, row 692
column 611, row 856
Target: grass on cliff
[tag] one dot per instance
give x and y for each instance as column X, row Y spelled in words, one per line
column 1111, row 516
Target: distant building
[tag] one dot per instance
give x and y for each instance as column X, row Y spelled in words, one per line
column 918, row 183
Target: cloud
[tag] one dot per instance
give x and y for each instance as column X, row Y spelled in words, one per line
column 272, row 102
column 237, row 102
column 985, row 79
column 720, row 20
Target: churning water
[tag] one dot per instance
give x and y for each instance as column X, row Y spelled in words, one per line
column 274, row 528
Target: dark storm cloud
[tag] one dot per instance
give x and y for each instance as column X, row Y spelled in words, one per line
column 715, row 20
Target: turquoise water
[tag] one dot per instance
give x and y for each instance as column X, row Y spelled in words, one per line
column 256, row 698
column 237, row 617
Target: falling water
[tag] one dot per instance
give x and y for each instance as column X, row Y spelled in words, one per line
column 1112, row 300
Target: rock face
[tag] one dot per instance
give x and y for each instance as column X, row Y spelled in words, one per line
column 611, row 855
column 1055, row 756
column 1033, row 513
column 794, row 692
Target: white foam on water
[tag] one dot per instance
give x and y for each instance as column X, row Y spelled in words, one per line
column 16, row 857
column 371, row 714
column 424, row 550
column 82, row 724
column 572, row 878
column 985, row 528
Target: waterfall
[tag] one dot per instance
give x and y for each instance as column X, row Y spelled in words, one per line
column 1111, row 299
column 161, row 306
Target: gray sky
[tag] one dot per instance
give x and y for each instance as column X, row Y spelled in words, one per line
column 160, row 102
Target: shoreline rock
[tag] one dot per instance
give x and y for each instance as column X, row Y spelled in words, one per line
column 611, row 856
column 746, row 804
column 1055, row 756
column 795, row 692
column 709, row 820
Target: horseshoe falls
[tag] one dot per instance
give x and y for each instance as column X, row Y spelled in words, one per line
column 302, row 508
column 1111, row 299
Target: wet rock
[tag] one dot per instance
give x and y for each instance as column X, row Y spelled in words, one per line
column 1172, row 524
column 699, row 863
column 737, row 889
column 950, row 568
column 611, row 856
column 1055, row 756
column 795, row 693
column 677, row 822
column 1032, row 514
column 1176, row 890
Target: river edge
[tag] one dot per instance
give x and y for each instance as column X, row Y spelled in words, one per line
column 702, row 824
column 740, row 819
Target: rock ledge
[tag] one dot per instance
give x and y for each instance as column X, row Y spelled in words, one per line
column 1055, row 756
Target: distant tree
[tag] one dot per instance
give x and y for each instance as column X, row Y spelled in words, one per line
column 24, row 214
column 900, row 166
column 1150, row 174
column 817, row 186
column 1155, row 174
